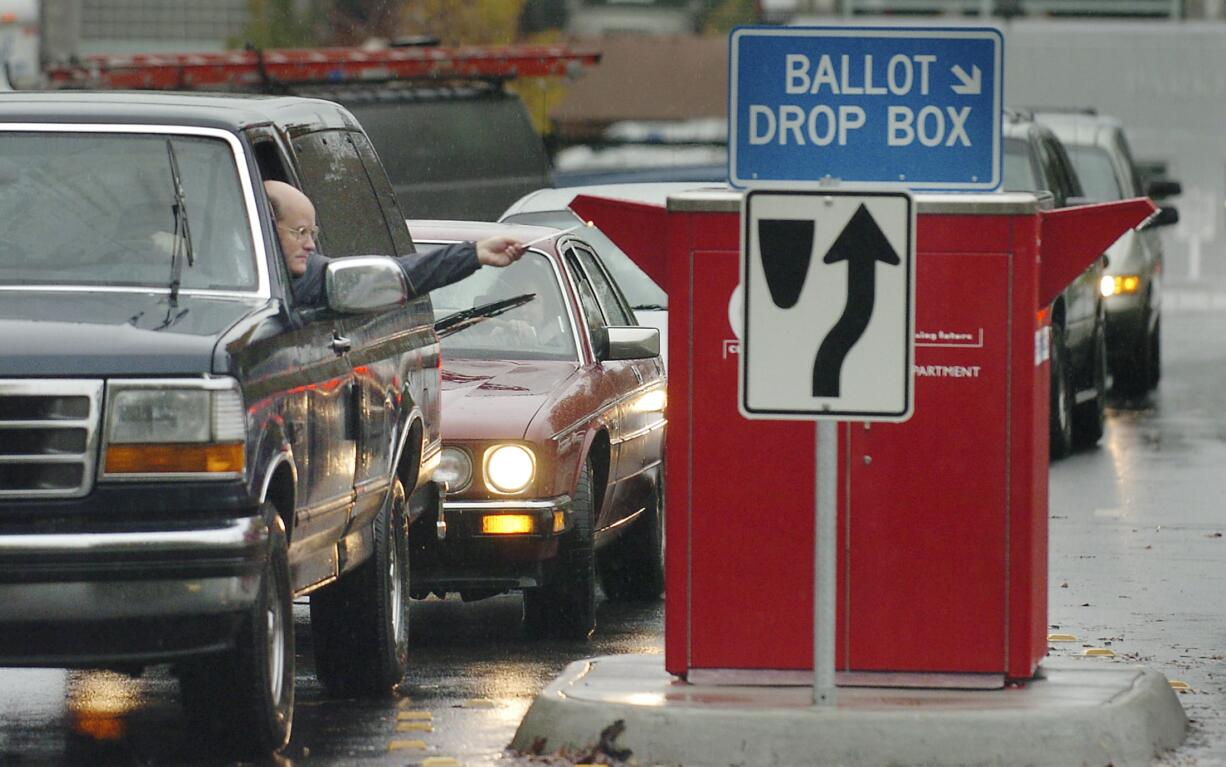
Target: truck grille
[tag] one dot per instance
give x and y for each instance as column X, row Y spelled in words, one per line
column 48, row 437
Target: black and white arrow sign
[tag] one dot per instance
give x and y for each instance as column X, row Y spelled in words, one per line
column 829, row 290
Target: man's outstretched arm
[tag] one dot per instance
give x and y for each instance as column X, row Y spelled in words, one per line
column 451, row 263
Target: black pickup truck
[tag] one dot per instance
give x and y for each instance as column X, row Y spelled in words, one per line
column 183, row 450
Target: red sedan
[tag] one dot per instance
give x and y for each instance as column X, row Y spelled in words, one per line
column 553, row 435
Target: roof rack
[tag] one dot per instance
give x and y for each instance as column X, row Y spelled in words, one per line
column 284, row 68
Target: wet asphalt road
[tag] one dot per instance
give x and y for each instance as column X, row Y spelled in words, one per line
column 473, row 674
column 1138, row 566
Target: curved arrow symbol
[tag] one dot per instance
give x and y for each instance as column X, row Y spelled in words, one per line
column 861, row 244
column 971, row 85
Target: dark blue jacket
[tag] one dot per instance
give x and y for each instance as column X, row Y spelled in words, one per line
column 424, row 271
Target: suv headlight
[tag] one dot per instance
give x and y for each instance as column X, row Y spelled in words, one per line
column 509, row 468
column 188, row 428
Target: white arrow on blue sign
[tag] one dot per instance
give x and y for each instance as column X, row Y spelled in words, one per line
column 908, row 107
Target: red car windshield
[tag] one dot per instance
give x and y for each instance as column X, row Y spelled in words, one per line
column 516, row 313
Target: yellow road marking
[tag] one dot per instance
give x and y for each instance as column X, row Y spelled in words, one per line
column 415, row 727
column 478, row 703
column 406, row 745
column 1061, row 638
column 1178, row 685
column 1099, row 652
column 441, row 761
column 415, row 715
column 405, row 701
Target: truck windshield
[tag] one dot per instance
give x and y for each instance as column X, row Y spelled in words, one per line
column 98, row 210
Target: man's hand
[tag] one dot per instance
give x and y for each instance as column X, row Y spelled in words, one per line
column 499, row 251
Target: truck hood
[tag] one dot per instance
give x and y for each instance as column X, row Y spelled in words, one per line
column 497, row 399
column 47, row 333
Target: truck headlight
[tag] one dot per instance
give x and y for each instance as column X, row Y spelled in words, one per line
column 509, row 468
column 455, row 469
column 194, row 428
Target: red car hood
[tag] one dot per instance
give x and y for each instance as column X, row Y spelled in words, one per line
column 497, row 399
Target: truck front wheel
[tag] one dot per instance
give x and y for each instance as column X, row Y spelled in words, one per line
column 359, row 625
column 248, row 693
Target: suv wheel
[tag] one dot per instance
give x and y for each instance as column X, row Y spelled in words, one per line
column 248, row 692
column 1155, row 355
column 1136, row 375
column 632, row 567
column 1088, row 416
column 360, row 623
column 1061, row 396
column 564, row 606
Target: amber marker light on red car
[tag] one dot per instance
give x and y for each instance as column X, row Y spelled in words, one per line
column 506, row 524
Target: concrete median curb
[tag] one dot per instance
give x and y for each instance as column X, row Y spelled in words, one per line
column 1077, row 714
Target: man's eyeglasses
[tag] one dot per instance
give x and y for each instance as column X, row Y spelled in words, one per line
column 301, row 233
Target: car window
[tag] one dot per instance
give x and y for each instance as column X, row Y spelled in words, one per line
column 1048, row 181
column 350, row 218
column 640, row 290
column 614, row 308
column 1132, row 184
column 401, row 241
column 592, row 315
column 1096, row 172
column 98, row 209
column 1062, row 175
column 534, row 326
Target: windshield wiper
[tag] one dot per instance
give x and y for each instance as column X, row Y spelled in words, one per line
column 183, row 231
column 649, row 308
column 457, row 321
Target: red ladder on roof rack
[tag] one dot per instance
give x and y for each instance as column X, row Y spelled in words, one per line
column 312, row 66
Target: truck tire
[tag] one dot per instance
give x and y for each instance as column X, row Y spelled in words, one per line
column 1089, row 416
column 632, row 567
column 1061, row 395
column 564, row 606
column 360, row 624
column 248, row 693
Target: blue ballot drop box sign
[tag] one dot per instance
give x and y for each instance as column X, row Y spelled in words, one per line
column 907, row 107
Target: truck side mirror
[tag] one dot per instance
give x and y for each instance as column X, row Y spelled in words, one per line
column 632, row 343
column 365, row 284
column 1161, row 188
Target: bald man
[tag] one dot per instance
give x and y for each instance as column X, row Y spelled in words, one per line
column 297, row 232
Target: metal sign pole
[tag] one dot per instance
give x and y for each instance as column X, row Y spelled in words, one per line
column 824, row 568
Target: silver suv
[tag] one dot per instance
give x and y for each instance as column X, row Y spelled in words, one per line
column 1132, row 281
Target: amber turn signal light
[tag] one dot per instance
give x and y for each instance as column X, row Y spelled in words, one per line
column 228, row 458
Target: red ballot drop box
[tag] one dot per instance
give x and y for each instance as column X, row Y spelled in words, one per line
column 942, row 520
